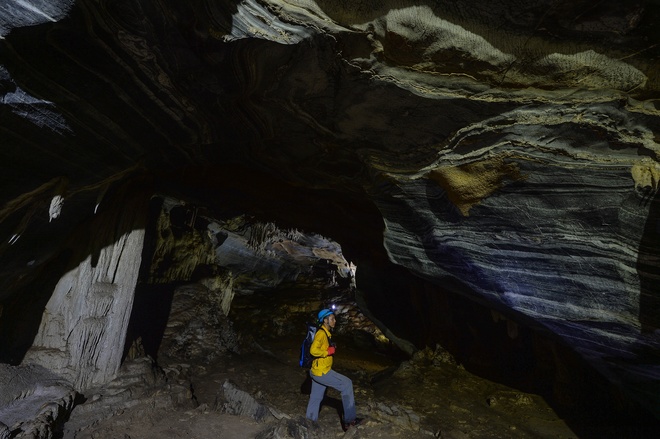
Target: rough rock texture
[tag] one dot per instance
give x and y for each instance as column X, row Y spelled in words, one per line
column 195, row 266
column 504, row 151
column 34, row 403
column 197, row 327
column 138, row 388
column 239, row 254
column 238, row 402
column 83, row 327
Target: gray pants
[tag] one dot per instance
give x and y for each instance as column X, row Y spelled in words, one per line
column 337, row 381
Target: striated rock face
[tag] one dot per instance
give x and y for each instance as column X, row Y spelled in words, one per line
column 83, row 328
column 506, row 152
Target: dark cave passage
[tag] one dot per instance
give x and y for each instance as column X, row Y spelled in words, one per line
column 484, row 341
column 495, row 346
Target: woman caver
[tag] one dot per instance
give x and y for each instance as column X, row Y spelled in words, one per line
column 323, row 376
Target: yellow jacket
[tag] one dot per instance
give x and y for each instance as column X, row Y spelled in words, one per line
column 319, row 348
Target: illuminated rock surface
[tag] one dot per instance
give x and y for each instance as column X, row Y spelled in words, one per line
column 502, row 153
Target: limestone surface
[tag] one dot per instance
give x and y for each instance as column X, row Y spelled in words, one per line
column 505, row 153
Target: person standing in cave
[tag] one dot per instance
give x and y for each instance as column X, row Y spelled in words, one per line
column 323, row 376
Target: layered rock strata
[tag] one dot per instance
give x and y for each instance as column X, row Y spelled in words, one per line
column 506, row 152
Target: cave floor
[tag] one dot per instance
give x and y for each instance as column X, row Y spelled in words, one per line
column 414, row 400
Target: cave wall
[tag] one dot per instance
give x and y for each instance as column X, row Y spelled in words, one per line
column 506, row 152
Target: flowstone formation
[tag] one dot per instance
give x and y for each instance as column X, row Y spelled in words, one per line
column 504, row 152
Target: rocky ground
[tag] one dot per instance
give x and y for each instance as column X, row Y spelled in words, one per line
column 250, row 385
column 264, row 395
column 238, row 377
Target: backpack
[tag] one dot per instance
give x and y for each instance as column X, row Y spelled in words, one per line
column 306, row 357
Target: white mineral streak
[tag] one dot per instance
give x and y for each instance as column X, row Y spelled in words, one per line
column 42, row 113
column 55, row 208
column 420, row 23
column 34, row 9
column 83, row 327
column 599, row 70
column 20, row 13
column 252, row 20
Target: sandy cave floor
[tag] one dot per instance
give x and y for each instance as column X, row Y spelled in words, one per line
column 420, row 400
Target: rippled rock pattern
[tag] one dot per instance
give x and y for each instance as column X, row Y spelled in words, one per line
column 506, row 151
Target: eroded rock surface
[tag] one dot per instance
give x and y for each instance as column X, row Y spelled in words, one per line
column 34, row 402
column 504, row 152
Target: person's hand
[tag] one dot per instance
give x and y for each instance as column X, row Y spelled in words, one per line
column 331, row 350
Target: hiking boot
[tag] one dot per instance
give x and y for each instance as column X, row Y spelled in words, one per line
column 354, row 423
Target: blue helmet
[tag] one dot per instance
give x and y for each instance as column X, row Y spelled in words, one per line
column 324, row 313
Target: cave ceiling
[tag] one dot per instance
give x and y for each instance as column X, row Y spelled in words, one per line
column 508, row 150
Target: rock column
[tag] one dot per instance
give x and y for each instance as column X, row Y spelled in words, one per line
column 83, row 328
column 84, row 324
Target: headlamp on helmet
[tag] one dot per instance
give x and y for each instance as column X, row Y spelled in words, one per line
column 324, row 313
